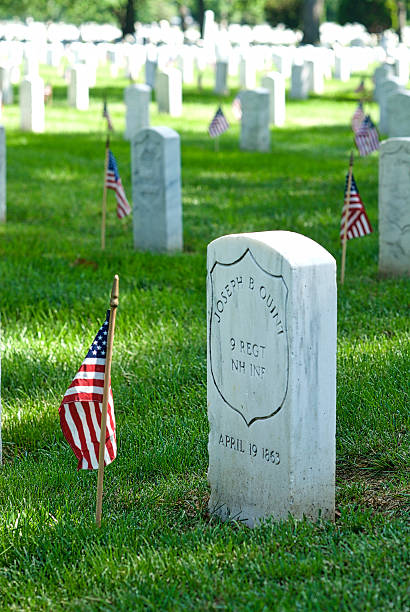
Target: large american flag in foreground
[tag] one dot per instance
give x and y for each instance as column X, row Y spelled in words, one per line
column 80, row 410
column 367, row 137
column 218, row 125
column 113, row 181
column 358, row 223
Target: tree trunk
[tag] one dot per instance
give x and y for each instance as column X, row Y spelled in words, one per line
column 201, row 16
column 183, row 14
column 312, row 14
column 401, row 18
column 128, row 26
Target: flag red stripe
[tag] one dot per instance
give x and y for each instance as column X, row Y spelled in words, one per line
column 87, row 382
column 83, row 397
column 89, row 367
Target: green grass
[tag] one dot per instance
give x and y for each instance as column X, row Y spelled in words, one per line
column 157, row 548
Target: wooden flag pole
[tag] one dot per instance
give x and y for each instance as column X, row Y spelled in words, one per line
column 104, row 200
column 107, row 378
column 344, row 240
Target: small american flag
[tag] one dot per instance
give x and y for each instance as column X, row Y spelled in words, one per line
column 218, row 125
column 80, row 410
column 367, row 137
column 358, row 223
column 358, row 117
column 106, row 115
column 237, row 108
column 113, row 181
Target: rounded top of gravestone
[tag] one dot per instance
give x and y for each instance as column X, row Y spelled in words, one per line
column 401, row 94
column 156, row 133
column 393, row 145
column 296, row 249
column 140, row 87
column 255, row 92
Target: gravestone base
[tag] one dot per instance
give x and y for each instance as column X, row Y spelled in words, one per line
column 271, row 377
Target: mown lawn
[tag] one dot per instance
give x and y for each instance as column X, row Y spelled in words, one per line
column 158, row 549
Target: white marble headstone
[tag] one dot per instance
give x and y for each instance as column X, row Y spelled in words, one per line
column 30, row 64
column 342, row 67
column 316, row 76
column 137, row 99
column 3, row 179
column 299, row 84
column 394, row 207
column 168, row 91
column 221, row 77
column 78, row 96
column 274, row 82
column 247, row 72
column 283, row 61
column 398, row 114
column 156, row 190
column 401, row 69
column 186, row 64
column 150, row 72
column 209, row 27
column 6, row 86
column 32, row 104
column 255, row 132
column 381, row 74
column 386, row 88
column 271, row 377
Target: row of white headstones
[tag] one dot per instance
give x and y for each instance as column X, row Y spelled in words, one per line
column 306, row 76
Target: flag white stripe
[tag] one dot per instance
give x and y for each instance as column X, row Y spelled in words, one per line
column 90, row 445
column 89, row 375
column 365, row 224
column 93, row 361
column 80, row 389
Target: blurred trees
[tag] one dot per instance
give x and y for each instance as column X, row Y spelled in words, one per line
column 288, row 12
column 375, row 15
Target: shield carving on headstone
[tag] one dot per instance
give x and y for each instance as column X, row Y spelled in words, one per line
column 248, row 340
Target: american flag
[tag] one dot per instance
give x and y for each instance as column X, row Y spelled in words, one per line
column 358, row 117
column 367, row 137
column 80, row 410
column 237, row 108
column 218, row 125
column 113, row 181
column 106, row 115
column 358, row 223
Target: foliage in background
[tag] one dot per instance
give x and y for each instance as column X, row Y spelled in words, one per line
column 288, row 12
column 375, row 15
